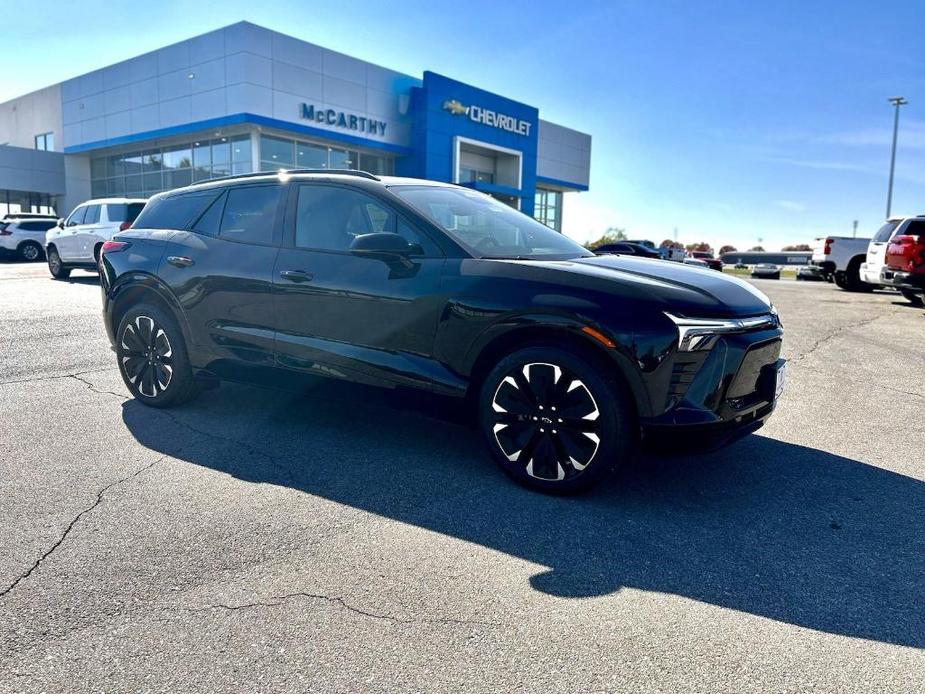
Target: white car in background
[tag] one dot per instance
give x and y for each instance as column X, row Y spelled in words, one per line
column 876, row 250
column 24, row 237
column 75, row 242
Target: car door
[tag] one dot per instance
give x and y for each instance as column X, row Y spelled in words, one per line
column 86, row 233
column 876, row 250
column 66, row 241
column 344, row 314
column 220, row 268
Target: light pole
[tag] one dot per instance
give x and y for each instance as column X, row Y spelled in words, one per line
column 897, row 101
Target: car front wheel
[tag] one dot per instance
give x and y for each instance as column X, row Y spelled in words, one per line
column 30, row 251
column 152, row 358
column 552, row 422
column 912, row 297
column 55, row 266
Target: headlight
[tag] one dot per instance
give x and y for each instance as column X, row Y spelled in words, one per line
column 695, row 334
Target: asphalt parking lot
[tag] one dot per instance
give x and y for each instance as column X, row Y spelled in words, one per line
column 347, row 541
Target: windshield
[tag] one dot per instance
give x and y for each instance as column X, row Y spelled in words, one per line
column 486, row 227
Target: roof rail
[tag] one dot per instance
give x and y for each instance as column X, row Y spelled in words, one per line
column 343, row 172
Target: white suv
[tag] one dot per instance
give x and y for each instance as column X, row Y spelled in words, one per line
column 76, row 241
column 876, row 251
column 24, row 237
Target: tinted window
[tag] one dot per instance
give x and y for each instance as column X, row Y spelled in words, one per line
column 175, row 211
column 884, row 233
column 250, row 213
column 93, row 214
column 330, row 218
column 77, row 216
column 124, row 212
column 36, row 226
column 211, row 219
column 489, row 228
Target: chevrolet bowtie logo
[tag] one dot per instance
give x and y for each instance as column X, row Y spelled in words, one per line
column 454, row 107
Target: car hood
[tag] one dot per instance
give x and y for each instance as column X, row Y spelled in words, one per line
column 685, row 289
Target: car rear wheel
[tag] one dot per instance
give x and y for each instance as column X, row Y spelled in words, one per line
column 57, row 268
column 913, row 298
column 152, row 358
column 853, row 281
column 552, row 422
column 30, row 251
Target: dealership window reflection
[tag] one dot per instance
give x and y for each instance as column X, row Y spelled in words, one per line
column 283, row 153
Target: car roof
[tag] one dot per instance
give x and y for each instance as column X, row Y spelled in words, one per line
column 111, row 201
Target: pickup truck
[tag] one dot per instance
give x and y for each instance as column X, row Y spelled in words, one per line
column 840, row 258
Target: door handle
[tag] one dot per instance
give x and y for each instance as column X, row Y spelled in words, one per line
column 179, row 261
column 296, row 275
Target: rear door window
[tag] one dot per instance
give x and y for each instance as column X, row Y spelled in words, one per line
column 37, row 226
column 175, row 211
column 250, row 214
column 885, row 232
column 93, row 214
column 916, row 228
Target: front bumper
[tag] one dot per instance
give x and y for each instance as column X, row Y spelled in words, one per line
column 719, row 394
column 901, row 279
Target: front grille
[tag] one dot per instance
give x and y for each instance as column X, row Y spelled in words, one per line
column 757, row 358
column 682, row 374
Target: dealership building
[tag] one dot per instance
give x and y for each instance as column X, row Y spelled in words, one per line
column 244, row 98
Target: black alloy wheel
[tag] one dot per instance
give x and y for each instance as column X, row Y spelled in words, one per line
column 152, row 358
column 30, row 251
column 552, row 422
column 146, row 356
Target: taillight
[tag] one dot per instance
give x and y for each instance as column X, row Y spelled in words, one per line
column 828, row 246
column 114, row 246
column 124, row 226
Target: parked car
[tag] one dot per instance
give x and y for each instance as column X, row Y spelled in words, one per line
column 24, row 237
column 741, row 266
column 75, row 242
column 840, row 259
column 401, row 282
column 766, row 271
column 875, row 262
column 696, row 262
column 707, row 257
column 27, row 215
column 627, row 248
column 905, row 263
column 810, row 273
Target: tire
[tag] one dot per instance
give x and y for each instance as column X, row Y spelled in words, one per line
column 56, row 267
column 30, row 251
column 853, row 281
column 518, row 413
column 152, row 357
column 913, row 298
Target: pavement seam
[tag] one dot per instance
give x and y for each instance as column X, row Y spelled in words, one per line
column 278, row 600
column 836, row 333
column 37, row 379
column 70, row 526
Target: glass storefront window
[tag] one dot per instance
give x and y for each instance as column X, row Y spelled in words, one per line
column 276, row 153
column 547, row 208
column 309, row 156
column 177, row 157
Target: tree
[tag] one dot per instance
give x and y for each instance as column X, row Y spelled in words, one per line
column 612, row 235
column 668, row 243
column 757, row 249
column 798, row 247
column 727, row 249
column 702, row 246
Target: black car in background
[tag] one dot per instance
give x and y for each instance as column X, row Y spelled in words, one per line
column 627, row 248
column 567, row 357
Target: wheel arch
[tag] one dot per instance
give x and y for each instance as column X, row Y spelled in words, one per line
column 568, row 336
column 143, row 288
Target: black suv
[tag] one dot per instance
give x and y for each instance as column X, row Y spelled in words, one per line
column 568, row 357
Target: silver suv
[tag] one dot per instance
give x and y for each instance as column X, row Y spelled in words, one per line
column 24, row 237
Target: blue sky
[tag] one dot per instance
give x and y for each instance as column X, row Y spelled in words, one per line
column 730, row 121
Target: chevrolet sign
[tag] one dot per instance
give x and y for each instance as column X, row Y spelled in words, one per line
column 485, row 116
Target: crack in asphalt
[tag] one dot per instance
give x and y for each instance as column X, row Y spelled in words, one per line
column 836, row 333
column 70, row 526
column 90, row 386
column 38, row 379
column 278, row 600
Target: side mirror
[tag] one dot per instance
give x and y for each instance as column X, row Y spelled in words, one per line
column 60, row 223
column 384, row 246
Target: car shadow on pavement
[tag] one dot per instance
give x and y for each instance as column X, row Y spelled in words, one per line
column 770, row 528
